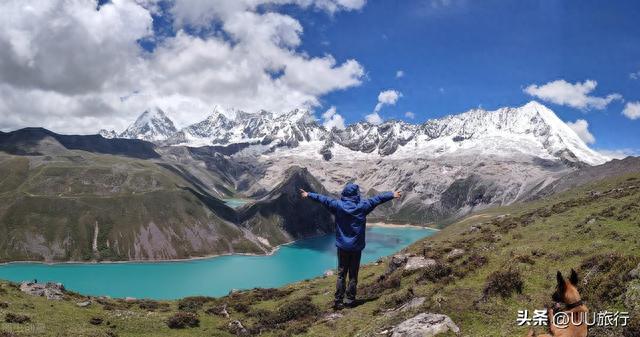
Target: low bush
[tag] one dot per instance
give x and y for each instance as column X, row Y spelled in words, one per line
column 435, row 273
column 181, row 320
column 503, row 283
column 16, row 318
column 194, row 303
column 95, row 321
column 295, row 310
column 382, row 284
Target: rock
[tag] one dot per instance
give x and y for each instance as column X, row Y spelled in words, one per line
column 474, row 228
column 83, row 304
column 50, row 290
column 425, row 325
column 130, row 299
column 329, row 272
column 454, row 254
column 396, row 262
column 412, row 304
column 632, row 295
column 635, row 273
column 237, row 328
column 330, row 317
column 220, row 310
column 95, row 321
column 419, row 262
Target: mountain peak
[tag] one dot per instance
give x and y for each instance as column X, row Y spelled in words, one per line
column 152, row 125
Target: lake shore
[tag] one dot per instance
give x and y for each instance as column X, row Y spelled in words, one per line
column 197, row 258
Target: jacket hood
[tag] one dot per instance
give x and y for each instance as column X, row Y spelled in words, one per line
column 351, row 192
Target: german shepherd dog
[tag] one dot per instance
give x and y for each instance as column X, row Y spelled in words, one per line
column 566, row 300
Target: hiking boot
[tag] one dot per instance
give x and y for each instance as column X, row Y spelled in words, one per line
column 338, row 306
column 350, row 303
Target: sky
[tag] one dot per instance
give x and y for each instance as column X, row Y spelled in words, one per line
column 80, row 66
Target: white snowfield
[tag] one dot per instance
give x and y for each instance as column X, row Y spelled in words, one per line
column 531, row 130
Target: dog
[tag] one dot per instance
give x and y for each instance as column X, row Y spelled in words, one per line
column 566, row 300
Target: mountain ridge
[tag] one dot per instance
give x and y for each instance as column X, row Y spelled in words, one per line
column 531, row 129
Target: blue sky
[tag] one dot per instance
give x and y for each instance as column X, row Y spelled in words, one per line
column 462, row 54
column 581, row 58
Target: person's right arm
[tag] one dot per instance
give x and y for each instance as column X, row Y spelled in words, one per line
column 331, row 203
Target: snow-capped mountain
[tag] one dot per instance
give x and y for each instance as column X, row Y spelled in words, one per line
column 153, row 125
column 108, row 133
column 235, row 126
column 531, row 130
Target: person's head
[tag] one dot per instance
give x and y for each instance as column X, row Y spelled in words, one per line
column 351, row 190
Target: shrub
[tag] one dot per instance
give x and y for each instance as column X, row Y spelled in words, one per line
column 95, row 321
column 435, row 273
column 298, row 309
column 606, row 278
column 633, row 329
column 151, row 305
column 240, row 307
column 4, row 305
column 181, row 320
column 16, row 318
column 193, row 304
column 383, row 283
column 267, row 294
column 7, row 334
column 503, row 283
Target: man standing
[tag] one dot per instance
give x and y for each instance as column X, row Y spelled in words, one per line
column 351, row 217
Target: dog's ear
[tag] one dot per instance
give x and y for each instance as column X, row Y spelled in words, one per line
column 574, row 277
column 560, row 279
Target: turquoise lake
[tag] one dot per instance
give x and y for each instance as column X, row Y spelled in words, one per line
column 214, row 276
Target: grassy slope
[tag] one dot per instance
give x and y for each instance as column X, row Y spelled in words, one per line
column 71, row 192
column 534, row 240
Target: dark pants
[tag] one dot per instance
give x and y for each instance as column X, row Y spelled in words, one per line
column 348, row 263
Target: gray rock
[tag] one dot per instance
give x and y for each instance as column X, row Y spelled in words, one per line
column 52, row 291
column 632, row 295
column 332, row 316
column 418, row 262
column 635, row 273
column 412, row 304
column 329, row 272
column 425, row 325
column 237, row 328
column 454, row 254
column 83, row 304
column 396, row 262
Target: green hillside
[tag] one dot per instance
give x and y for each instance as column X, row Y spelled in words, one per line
column 82, row 206
column 508, row 263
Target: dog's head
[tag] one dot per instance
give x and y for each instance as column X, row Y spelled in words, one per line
column 567, row 290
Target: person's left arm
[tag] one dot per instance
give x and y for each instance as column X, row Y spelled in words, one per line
column 381, row 198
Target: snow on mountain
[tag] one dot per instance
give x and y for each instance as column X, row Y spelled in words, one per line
column 152, row 125
column 108, row 133
column 531, row 130
column 230, row 127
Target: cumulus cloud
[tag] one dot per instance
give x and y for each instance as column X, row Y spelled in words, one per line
column 410, row 115
column 581, row 128
column 635, row 75
column 331, row 119
column 632, row 110
column 575, row 95
column 373, row 118
column 73, row 67
column 399, row 73
column 387, row 97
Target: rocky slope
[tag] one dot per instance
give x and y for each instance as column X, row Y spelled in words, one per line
column 475, row 275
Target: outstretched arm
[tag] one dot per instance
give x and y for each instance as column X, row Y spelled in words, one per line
column 331, row 203
column 382, row 198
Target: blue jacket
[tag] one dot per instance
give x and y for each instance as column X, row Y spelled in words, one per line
column 351, row 215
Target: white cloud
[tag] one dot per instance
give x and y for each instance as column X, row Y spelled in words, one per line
column 373, row 118
column 634, row 75
column 387, row 97
column 574, row 95
column 581, row 128
column 617, row 153
column 410, row 115
column 632, row 110
column 67, row 66
column 331, row 119
column 399, row 73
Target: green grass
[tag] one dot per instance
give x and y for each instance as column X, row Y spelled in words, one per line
column 593, row 229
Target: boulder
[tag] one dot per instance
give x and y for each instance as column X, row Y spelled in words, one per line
column 454, row 254
column 412, row 304
column 328, row 273
column 632, row 295
column 635, row 273
column 425, row 325
column 83, row 304
column 418, row 262
column 396, row 262
column 236, row 328
column 50, row 290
